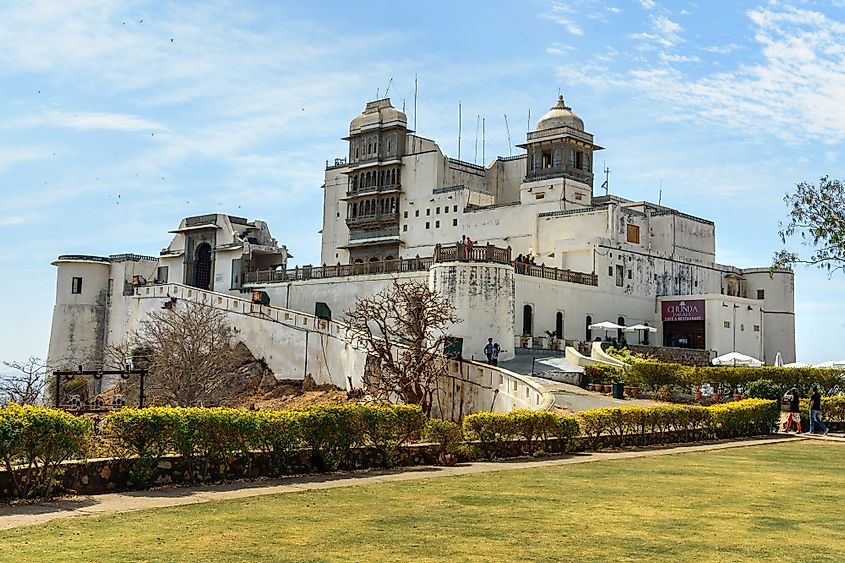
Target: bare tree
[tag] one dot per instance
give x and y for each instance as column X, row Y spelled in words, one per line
column 26, row 383
column 404, row 329
column 190, row 358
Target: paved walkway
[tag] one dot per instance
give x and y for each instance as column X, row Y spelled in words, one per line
column 16, row 516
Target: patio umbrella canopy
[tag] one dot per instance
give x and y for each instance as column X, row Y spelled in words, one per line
column 736, row 359
column 840, row 364
column 640, row 329
column 605, row 326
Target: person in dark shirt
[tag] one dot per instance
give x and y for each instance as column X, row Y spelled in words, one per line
column 488, row 350
column 816, row 411
column 794, row 400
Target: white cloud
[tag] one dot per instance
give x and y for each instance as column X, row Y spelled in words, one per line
column 794, row 91
column 559, row 14
column 722, row 49
column 12, row 155
column 674, row 58
column 613, row 9
column 85, row 121
column 648, row 4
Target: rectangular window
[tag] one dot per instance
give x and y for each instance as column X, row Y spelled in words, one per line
column 427, row 225
column 417, row 213
column 76, row 286
column 578, row 197
column 454, row 222
column 727, row 324
column 437, row 224
column 634, row 234
column 162, row 274
column 404, row 228
column 539, row 196
column 761, row 294
column 236, row 273
column 437, row 211
column 427, row 212
column 620, row 275
column 455, row 209
column 406, row 215
column 630, row 274
column 610, row 271
column 756, row 328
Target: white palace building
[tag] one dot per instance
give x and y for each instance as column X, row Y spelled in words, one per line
column 396, row 206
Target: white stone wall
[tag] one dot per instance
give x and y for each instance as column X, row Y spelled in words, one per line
column 483, row 296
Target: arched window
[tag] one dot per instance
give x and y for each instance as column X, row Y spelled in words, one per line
column 556, row 157
column 374, row 259
column 559, row 325
column 588, row 333
column 527, row 320
column 621, row 322
column 381, row 207
column 393, row 177
column 355, row 209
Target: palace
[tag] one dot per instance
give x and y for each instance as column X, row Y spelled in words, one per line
column 548, row 259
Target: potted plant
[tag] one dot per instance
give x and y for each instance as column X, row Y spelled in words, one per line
column 635, row 390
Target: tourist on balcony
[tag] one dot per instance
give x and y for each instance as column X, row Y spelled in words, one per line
column 488, row 350
column 495, row 357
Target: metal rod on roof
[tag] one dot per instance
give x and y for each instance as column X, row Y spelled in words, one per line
column 477, row 123
column 483, row 138
column 508, row 129
column 459, row 129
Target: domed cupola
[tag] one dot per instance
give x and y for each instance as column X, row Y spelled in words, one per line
column 560, row 115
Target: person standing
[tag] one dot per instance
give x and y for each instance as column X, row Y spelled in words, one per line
column 794, row 400
column 488, row 350
column 816, row 411
column 495, row 359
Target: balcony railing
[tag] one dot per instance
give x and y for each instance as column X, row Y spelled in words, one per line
column 474, row 253
column 373, row 218
column 442, row 253
column 557, row 274
column 374, row 190
column 340, row 270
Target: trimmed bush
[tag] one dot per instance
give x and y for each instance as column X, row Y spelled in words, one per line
column 494, row 430
column 34, row 441
column 603, row 373
column 532, row 426
column 490, row 429
column 765, row 389
column 444, row 433
column 833, row 408
column 388, row 427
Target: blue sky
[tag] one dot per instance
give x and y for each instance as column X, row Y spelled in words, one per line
column 119, row 118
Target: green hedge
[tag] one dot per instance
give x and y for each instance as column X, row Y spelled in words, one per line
column 494, row 430
column 206, row 436
column 728, row 420
column 654, row 375
column 34, row 441
column 603, row 373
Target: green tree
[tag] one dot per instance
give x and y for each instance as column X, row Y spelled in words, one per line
column 817, row 216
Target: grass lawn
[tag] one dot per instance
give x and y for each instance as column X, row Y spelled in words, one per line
column 782, row 502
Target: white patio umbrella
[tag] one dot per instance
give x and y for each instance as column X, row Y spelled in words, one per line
column 640, row 329
column 796, row 365
column 778, row 360
column 605, row 326
column 839, row 364
column 736, row 359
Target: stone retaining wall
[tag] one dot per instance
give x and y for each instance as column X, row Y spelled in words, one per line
column 113, row 475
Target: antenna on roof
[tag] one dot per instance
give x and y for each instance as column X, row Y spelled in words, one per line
column 508, row 129
column 415, row 102
column 529, row 120
column 660, row 193
column 477, row 123
column 459, row 129
column 377, row 91
column 606, row 183
column 389, row 82
column 483, row 138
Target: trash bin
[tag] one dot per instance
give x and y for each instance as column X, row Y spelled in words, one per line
column 618, row 390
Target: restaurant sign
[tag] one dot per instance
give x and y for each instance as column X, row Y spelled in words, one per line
column 683, row 310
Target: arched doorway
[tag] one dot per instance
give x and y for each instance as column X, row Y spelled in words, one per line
column 202, row 266
column 588, row 332
column 645, row 335
column 527, row 320
column 559, row 326
column 621, row 322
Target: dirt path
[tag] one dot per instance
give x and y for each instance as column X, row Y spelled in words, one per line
column 15, row 516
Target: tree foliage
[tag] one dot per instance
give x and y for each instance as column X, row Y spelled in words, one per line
column 189, row 355
column 25, row 384
column 817, row 217
column 403, row 328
